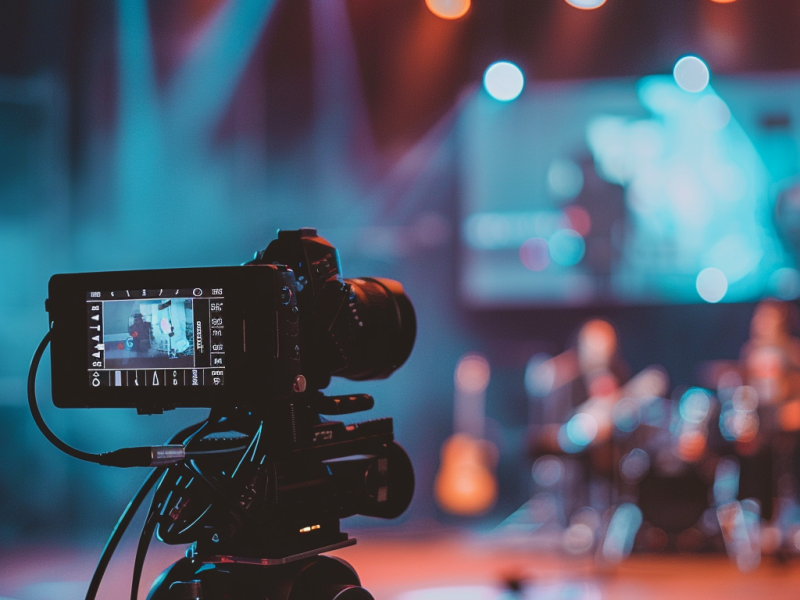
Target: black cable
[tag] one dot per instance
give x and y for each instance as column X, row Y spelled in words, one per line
column 148, row 529
column 231, row 450
column 144, row 456
column 37, row 416
column 125, row 457
column 119, row 530
column 230, row 502
column 185, row 436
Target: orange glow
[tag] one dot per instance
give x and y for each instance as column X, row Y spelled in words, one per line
column 723, row 1
column 449, row 9
column 691, row 445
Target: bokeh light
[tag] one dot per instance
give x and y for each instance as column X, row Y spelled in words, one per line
column 547, row 470
column 472, row 374
column 785, row 283
column 634, row 465
column 449, row 9
column 745, row 398
column 586, row 4
column 626, row 415
column 712, row 285
column 578, row 539
column 564, row 179
column 694, row 405
column 540, row 374
column 534, row 254
column 625, row 522
column 581, row 429
column 579, row 219
column 503, row 81
column 726, row 479
column 566, row 247
column 691, row 74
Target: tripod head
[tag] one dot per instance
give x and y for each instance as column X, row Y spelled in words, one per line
column 271, row 503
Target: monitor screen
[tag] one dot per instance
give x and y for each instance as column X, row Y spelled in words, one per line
column 156, row 338
column 631, row 191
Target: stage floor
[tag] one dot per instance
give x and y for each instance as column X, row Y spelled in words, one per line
column 442, row 567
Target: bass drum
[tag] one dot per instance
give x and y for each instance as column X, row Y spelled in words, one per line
column 674, row 503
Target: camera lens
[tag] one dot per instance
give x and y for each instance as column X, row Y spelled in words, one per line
column 374, row 332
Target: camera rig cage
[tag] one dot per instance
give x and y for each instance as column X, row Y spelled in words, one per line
column 259, row 487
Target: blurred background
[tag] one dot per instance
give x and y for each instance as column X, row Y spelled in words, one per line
column 588, row 202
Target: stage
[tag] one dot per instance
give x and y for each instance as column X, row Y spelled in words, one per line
column 442, row 567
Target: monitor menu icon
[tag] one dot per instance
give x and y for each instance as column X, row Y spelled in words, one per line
column 95, row 335
column 98, row 378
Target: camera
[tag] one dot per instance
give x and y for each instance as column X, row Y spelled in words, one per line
column 206, row 337
column 266, row 478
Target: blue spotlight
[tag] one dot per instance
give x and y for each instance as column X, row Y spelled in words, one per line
column 712, row 285
column 504, row 81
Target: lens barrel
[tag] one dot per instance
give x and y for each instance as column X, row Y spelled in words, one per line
column 360, row 329
column 374, row 333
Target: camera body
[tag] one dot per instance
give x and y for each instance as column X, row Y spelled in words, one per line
column 254, row 343
column 283, row 323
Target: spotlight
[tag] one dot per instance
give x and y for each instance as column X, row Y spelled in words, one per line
column 503, row 81
column 691, row 74
column 586, row 4
column 712, row 285
column 448, row 9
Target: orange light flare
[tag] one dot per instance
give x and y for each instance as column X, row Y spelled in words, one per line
column 449, row 9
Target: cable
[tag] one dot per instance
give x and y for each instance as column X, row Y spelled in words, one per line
column 232, row 504
column 185, row 436
column 144, row 456
column 37, row 416
column 159, row 456
column 231, row 450
column 119, row 530
column 148, row 529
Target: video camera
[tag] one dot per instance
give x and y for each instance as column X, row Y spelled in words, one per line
column 266, row 479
